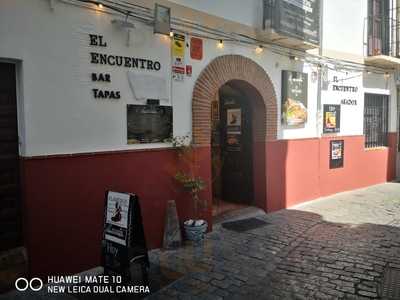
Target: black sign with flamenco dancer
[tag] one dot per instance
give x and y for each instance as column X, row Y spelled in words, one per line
column 123, row 242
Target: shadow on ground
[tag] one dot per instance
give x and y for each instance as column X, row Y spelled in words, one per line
column 298, row 255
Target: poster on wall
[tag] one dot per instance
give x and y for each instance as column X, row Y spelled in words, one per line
column 336, row 154
column 196, row 48
column 116, row 228
column 148, row 124
column 294, row 98
column 178, row 57
column 331, row 118
column 234, row 120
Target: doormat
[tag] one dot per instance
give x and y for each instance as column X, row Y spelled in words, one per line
column 391, row 284
column 244, row 224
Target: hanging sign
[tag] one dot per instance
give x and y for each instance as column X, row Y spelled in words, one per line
column 196, row 48
column 331, row 118
column 178, row 57
column 336, row 154
column 294, row 18
column 294, row 98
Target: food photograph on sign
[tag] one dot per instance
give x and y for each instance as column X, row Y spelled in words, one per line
column 234, row 120
column 336, row 150
column 336, row 154
column 294, row 98
column 331, row 118
column 117, row 217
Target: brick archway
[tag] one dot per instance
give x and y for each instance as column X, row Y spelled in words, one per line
column 221, row 70
column 251, row 78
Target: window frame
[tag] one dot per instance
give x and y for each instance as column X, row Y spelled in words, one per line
column 376, row 120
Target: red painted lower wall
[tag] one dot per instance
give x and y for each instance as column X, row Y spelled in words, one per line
column 64, row 202
column 298, row 170
column 64, row 196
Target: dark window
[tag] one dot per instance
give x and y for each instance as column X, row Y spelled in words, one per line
column 379, row 27
column 375, row 120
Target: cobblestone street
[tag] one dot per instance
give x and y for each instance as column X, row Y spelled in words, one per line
column 339, row 247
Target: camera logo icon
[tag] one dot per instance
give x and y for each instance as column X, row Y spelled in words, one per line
column 22, row 284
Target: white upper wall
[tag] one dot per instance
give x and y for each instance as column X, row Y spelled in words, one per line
column 343, row 26
column 248, row 12
column 343, row 20
column 56, row 103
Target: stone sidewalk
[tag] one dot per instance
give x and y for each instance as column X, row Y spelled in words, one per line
column 339, row 247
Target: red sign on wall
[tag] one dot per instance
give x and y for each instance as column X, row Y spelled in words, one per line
column 189, row 70
column 196, row 48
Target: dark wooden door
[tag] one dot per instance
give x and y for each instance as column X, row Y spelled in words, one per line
column 10, row 213
column 236, row 150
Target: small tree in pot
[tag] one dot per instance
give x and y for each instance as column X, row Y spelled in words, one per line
column 192, row 183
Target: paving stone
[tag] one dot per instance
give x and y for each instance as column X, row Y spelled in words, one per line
column 329, row 249
column 368, row 294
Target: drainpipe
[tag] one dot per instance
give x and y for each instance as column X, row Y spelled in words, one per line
column 319, row 93
column 397, row 28
column 320, row 52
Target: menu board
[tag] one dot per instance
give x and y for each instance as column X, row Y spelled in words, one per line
column 336, row 154
column 148, row 124
column 294, row 98
column 123, row 236
column 331, row 118
column 116, row 228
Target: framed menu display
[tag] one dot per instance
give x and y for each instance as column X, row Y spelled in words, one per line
column 148, row 124
column 331, row 118
column 294, row 98
column 336, row 154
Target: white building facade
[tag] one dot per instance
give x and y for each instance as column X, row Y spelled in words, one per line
column 81, row 78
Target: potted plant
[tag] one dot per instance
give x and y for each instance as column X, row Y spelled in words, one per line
column 188, row 177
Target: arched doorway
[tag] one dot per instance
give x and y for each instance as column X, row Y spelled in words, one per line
column 245, row 77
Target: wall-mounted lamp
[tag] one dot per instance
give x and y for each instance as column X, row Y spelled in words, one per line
column 99, row 5
column 220, row 44
column 259, row 49
column 386, row 75
column 171, row 33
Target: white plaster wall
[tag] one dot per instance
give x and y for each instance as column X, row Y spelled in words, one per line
column 343, row 25
column 248, row 12
column 57, row 108
column 59, row 111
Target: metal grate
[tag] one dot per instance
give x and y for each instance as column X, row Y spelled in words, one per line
column 382, row 27
column 244, row 224
column 376, row 120
column 391, row 284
